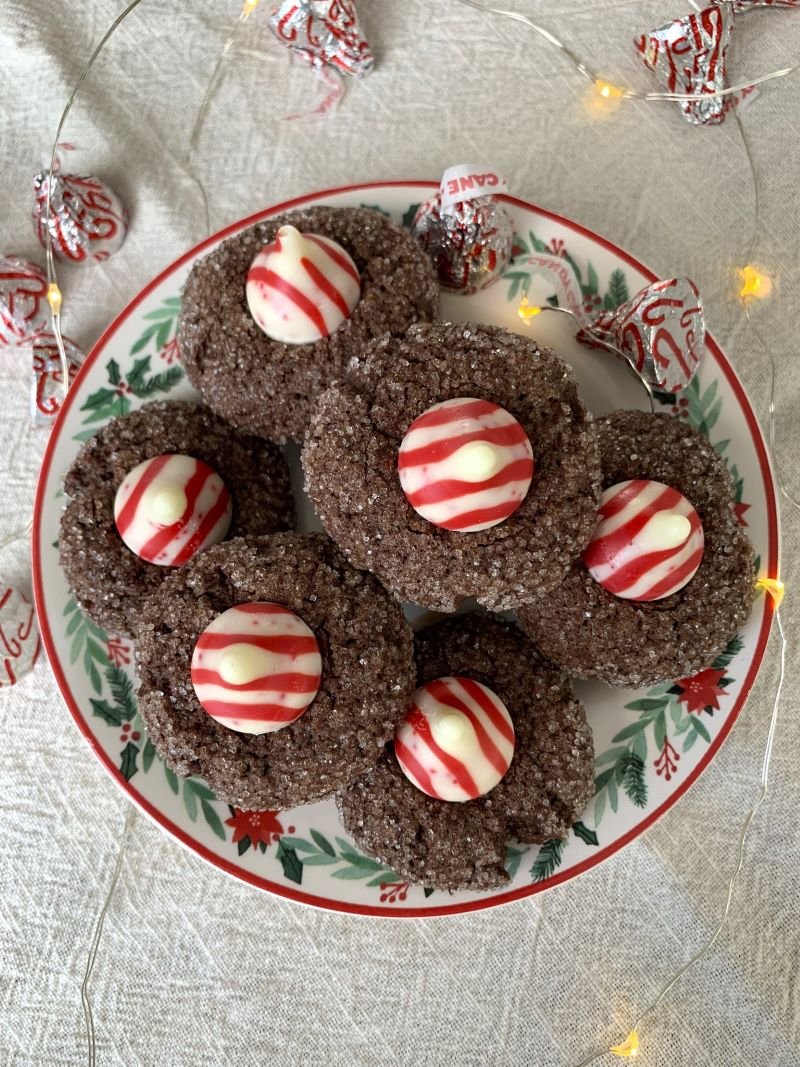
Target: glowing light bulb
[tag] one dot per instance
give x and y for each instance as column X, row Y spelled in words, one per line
column 54, row 297
column 527, row 310
column 607, row 90
column 249, row 6
column 755, row 284
column 602, row 98
column 629, row 1047
column 774, row 587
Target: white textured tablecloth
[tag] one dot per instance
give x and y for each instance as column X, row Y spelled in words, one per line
column 195, row 968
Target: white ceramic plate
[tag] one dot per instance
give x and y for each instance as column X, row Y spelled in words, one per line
column 650, row 745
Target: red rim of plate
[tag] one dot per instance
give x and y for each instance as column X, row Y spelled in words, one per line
column 310, row 898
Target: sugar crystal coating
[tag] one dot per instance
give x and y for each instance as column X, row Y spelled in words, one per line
column 367, row 670
column 550, row 780
column 590, row 632
column 269, row 388
column 111, row 583
column 350, row 464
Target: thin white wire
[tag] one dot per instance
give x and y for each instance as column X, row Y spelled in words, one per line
column 588, row 73
column 792, row 500
column 202, row 111
column 52, row 277
column 17, row 535
column 98, row 933
column 773, row 370
column 762, row 792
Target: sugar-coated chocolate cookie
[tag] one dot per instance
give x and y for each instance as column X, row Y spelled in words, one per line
column 591, row 632
column 109, row 580
column 367, row 670
column 452, row 845
column 353, row 446
column 267, row 387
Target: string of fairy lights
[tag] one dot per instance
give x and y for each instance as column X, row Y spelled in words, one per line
column 756, row 285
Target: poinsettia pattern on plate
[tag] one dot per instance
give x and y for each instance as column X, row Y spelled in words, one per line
column 649, row 746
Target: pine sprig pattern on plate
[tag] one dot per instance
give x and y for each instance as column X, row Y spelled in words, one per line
column 594, row 301
column 343, row 859
column 105, row 659
column 141, row 382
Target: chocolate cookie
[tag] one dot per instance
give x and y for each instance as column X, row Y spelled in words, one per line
column 270, row 388
column 350, row 459
column 367, row 670
column 108, row 580
column 594, row 634
column 450, row 845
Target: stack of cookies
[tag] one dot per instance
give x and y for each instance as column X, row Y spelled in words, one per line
column 453, row 467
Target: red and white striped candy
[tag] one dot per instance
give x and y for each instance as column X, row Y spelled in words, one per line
column 171, row 507
column 302, row 287
column 23, row 301
column 465, row 464
column 19, row 637
column 456, row 741
column 648, row 543
column 256, row 668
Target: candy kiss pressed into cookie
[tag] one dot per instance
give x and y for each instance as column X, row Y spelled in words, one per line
column 456, row 741
column 465, row 464
column 273, row 669
column 170, row 507
column 692, row 594
column 302, row 287
column 256, row 668
column 648, row 543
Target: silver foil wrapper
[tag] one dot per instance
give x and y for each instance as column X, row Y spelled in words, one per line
column 23, row 301
column 88, row 221
column 688, row 56
column 19, row 636
column 469, row 243
column 324, row 32
column 661, row 330
column 47, row 387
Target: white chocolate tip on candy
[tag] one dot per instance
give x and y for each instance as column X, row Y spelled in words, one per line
column 165, row 504
column 465, row 464
column 450, row 729
column 476, row 461
column 302, row 287
column 667, row 529
column 289, row 239
column 243, row 663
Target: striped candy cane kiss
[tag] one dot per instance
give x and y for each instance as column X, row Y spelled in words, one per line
column 648, row 542
column 256, row 668
column 170, row 508
column 465, row 464
column 302, row 287
column 456, row 741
